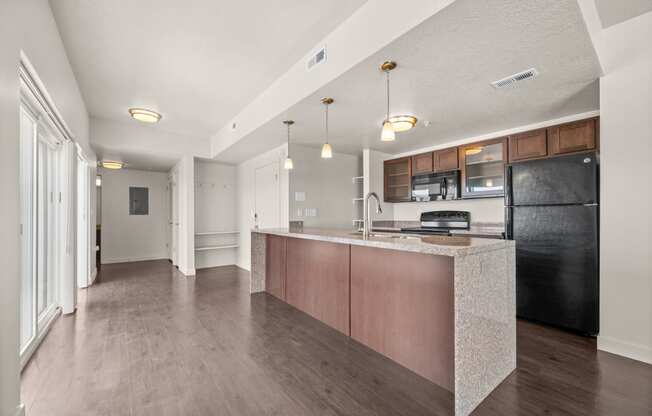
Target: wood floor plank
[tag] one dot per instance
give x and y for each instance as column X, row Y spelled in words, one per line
column 148, row 341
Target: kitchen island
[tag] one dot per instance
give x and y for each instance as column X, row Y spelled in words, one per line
column 444, row 307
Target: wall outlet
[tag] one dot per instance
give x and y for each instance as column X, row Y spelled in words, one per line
column 299, row 212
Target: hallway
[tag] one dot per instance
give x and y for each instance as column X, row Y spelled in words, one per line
column 146, row 340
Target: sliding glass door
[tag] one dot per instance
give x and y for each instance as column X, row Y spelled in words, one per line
column 40, row 213
column 27, row 232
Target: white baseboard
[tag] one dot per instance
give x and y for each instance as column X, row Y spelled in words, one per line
column 188, row 272
column 132, row 259
column 93, row 276
column 20, row 410
column 636, row 352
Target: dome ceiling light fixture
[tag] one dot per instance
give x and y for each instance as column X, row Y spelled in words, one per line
column 402, row 123
column 326, row 149
column 387, row 134
column 144, row 115
column 288, row 164
column 473, row 150
column 112, row 164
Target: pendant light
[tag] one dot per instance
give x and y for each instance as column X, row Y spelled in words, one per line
column 326, row 149
column 288, row 160
column 387, row 134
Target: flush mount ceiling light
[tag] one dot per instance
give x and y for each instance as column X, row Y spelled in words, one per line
column 402, row 123
column 326, row 149
column 111, row 164
column 473, row 150
column 144, row 115
column 288, row 160
column 387, row 134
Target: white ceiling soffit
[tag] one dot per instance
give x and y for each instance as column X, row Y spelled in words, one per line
column 141, row 146
column 613, row 12
column 445, row 67
column 197, row 62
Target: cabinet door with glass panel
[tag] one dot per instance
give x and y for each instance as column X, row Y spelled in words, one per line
column 483, row 168
column 398, row 180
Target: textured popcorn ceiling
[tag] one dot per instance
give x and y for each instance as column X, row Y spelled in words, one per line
column 444, row 69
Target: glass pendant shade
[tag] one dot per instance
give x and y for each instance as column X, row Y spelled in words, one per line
column 326, row 151
column 288, row 163
column 387, row 134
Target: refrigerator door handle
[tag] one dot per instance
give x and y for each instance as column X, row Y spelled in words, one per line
column 508, row 185
column 509, row 225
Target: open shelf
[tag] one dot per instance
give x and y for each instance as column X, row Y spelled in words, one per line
column 222, row 247
column 217, row 232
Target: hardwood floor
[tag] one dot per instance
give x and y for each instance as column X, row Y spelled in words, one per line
column 148, row 341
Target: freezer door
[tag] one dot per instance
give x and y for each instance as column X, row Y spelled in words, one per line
column 569, row 179
column 557, row 265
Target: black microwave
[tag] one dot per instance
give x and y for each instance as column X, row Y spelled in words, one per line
column 436, row 186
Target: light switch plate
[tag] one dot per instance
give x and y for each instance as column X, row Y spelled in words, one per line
column 299, row 212
column 299, row 196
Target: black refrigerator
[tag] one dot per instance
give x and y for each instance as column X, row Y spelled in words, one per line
column 551, row 211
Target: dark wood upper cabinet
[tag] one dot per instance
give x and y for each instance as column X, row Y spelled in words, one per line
column 422, row 163
column 572, row 137
column 446, row 159
column 483, row 168
column 275, row 266
column 528, row 145
column 398, row 180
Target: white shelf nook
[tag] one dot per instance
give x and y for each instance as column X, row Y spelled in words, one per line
column 217, row 240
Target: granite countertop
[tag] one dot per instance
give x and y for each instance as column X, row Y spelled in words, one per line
column 454, row 246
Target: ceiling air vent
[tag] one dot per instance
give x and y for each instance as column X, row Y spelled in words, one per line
column 319, row 57
column 513, row 79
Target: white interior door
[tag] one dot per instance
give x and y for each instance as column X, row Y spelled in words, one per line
column 27, row 231
column 267, row 197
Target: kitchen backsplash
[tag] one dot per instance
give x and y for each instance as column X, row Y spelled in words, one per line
column 487, row 210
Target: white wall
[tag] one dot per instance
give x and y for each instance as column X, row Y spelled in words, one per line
column 626, row 174
column 185, row 170
column 28, row 26
column 215, row 204
column 327, row 186
column 245, row 185
column 482, row 210
column 133, row 237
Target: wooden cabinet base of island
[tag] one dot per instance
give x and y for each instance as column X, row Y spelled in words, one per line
column 449, row 317
column 275, row 266
column 402, row 307
column 317, row 280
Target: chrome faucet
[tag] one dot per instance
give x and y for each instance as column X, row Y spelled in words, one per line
column 366, row 226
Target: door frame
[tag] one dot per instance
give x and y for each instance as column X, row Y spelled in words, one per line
column 278, row 191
